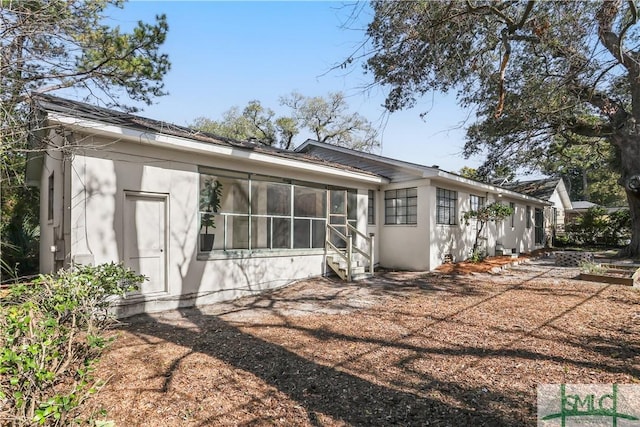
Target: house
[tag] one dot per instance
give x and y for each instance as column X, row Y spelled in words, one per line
column 578, row 208
column 554, row 191
column 209, row 219
column 417, row 213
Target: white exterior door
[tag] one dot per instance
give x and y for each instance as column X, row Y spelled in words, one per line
column 145, row 238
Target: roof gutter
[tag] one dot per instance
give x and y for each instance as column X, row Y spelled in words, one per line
column 478, row 186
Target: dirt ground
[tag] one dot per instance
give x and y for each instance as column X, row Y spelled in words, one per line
column 408, row 349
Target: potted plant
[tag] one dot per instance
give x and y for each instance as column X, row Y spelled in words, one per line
column 210, row 196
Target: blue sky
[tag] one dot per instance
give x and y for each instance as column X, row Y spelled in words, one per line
column 226, row 54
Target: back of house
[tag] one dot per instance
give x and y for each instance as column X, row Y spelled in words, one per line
column 209, row 219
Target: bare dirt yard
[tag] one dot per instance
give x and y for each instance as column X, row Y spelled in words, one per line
column 399, row 349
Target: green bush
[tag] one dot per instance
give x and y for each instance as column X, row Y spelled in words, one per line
column 51, row 334
column 596, row 227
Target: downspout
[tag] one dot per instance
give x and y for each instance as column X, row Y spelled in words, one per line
column 66, row 202
column 486, row 231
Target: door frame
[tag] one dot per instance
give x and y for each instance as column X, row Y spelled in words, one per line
column 164, row 197
column 538, row 226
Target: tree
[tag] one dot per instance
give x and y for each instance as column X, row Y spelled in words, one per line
column 588, row 171
column 492, row 212
column 327, row 119
column 498, row 175
column 540, row 73
column 254, row 123
column 469, row 172
column 49, row 45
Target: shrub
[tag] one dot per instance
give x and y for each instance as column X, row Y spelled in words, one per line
column 51, row 334
column 493, row 212
column 595, row 226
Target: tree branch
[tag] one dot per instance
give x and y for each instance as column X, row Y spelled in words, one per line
column 613, row 43
column 594, row 130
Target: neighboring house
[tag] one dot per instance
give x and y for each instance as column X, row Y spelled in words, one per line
column 580, row 207
column 554, row 191
column 209, row 219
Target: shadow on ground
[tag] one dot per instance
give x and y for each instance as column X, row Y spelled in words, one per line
column 448, row 351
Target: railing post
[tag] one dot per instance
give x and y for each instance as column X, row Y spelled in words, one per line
column 371, row 251
column 326, row 248
column 349, row 253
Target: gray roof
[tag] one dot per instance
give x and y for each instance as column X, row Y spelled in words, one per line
column 398, row 170
column 392, row 169
column 539, row 188
column 76, row 109
column 582, row 204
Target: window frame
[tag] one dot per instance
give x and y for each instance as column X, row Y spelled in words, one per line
column 528, row 219
column 446, row 206
column 261, row 222
column 476, row 202
column 401, row 200
column 371, row 207
column 512, row 205
column 51, row 192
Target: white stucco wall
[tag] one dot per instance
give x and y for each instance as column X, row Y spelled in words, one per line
column 52, row 231
column 375, row 228
column 456, row 239
column 405, row 246
column 518, row 236
column 99, row 180
column 423, row 246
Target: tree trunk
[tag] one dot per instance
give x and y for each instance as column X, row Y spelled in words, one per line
column 585, row 185
column 633, row 249
column 630, row 179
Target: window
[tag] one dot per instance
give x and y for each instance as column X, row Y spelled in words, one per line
column 476, row 202
column 51, row 198
column 401, row 206
column 446, row 206
column 371, row 208
column 513, row 213
column 239, row 211
column 528, row 217
column 270, row 215
column 309, row 217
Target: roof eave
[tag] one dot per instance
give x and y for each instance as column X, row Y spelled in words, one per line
column 190, row 145
column 477, row 185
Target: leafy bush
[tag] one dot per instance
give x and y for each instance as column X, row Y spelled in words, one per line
column 477, row 255
column 562, row 240
column 19, row 230
column 596, row 226
column 51, row 334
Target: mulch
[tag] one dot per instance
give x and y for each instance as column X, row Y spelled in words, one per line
column 399, row 349
column 487, row 265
